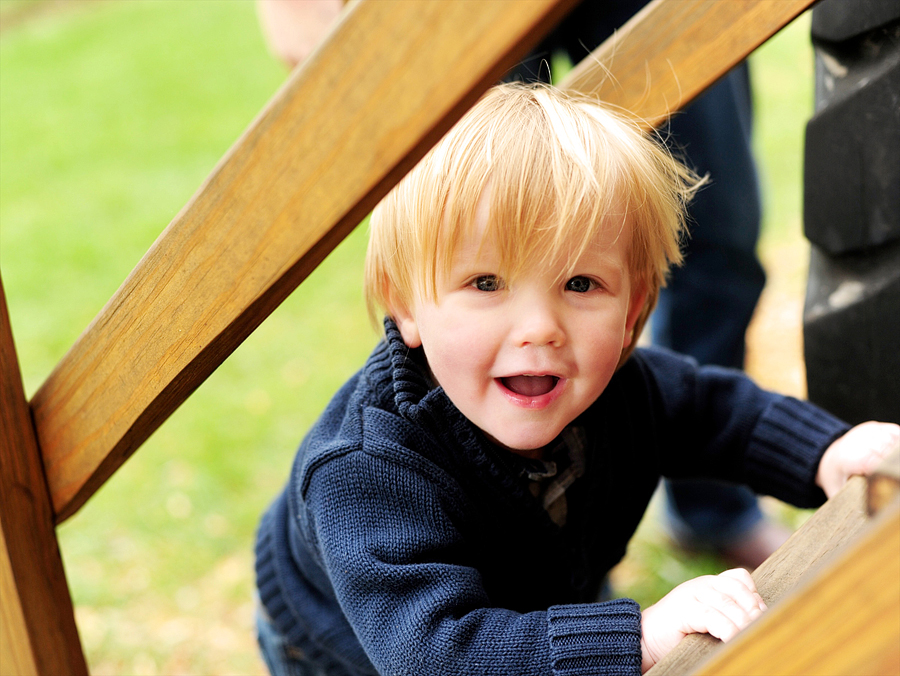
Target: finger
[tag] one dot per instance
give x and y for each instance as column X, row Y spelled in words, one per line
column 884, row 440
column 871, row 442
column 739, row 586
column 760, row 602
column 743, row 578
column 872, row 460
column 740, row 608
column 711, row 621
column 741, row 575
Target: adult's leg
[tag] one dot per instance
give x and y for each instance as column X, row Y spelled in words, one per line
column 705, row 310
column 707, row 306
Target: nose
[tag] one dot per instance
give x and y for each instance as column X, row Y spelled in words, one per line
column 537, row 322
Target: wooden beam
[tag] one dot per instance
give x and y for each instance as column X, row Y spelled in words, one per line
column 671, row 51
column 884, row 483
column 844, row 619
column 37, row 623
column 352, row 120
column 834, row 524
column 16, row 656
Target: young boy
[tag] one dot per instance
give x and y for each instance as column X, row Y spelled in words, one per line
column 461, row 500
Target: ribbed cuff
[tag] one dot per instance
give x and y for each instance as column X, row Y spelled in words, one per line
column 271, row 595
column 786, row 447
column 597, row 639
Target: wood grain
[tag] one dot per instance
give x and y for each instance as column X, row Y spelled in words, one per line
column 838, row 521
column 333, row 141
column 37, row 623
column 671, row 51
column 15, row 645
column 844, row 618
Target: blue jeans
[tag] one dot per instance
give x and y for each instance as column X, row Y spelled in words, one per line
column 705, row 310
column 707, row 306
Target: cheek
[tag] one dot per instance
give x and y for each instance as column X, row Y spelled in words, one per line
column 454, row 351
column 601, row 347
column 457, row 351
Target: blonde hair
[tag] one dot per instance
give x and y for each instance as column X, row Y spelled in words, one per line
column 560, row 167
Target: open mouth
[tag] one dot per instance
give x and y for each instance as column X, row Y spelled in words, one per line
column 530, row 386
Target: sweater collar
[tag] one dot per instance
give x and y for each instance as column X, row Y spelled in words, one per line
column 418, row 399
column 408, row 373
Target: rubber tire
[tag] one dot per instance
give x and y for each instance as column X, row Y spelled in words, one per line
column 852, row 211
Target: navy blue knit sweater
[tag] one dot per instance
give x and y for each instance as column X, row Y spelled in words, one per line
column 405, row 543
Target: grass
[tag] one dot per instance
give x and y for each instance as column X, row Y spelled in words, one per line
column 111, row 116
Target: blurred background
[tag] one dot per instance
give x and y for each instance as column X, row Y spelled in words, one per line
column 112, row 113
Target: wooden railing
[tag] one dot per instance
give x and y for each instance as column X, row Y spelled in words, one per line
column 327, row 147
column 833, row 591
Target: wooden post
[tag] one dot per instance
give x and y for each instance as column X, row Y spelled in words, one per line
column 37, row 622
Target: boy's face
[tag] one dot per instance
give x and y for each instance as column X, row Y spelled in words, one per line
column 524, row 359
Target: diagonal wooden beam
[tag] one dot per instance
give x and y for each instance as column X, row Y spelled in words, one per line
column 351, row 121
column 841, row 555
column 671, row 51
column 843, row 619
column 835, row 523
column 37, row 624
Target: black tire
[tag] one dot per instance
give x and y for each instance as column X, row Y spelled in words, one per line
column 852, row 211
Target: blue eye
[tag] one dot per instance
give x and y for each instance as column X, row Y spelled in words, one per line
column 487, row 283
column 580, row 285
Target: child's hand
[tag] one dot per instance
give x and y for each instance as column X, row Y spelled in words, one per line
column 857, row 452
column 720, row 605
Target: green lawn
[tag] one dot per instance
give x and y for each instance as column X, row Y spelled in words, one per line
column 111, row 115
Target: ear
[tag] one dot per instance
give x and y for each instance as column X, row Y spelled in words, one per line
column 635, row 306
column 406, row 322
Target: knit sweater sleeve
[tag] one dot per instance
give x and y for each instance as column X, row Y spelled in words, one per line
column 716, row 422
column 409, row 584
